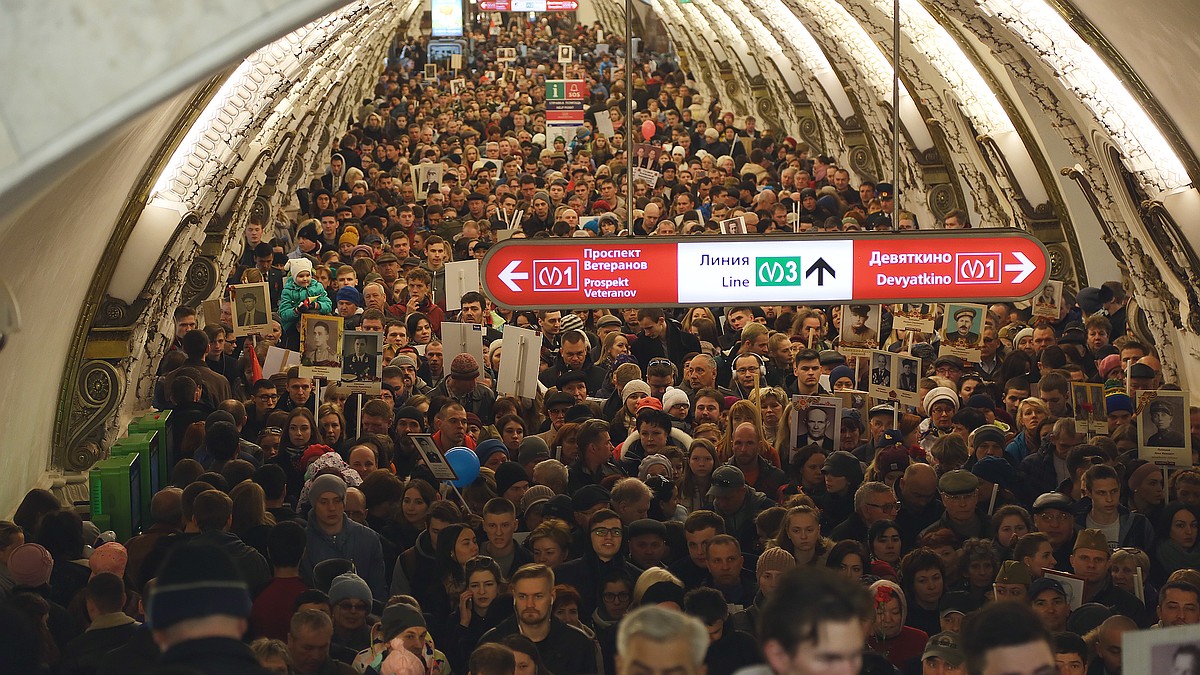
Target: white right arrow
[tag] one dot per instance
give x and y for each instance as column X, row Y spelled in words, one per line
column 1024, row 267
column 508, row 275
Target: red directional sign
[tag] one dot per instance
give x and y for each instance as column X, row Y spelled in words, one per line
column 970, row 266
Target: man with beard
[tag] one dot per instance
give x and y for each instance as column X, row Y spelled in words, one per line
column 564, row 649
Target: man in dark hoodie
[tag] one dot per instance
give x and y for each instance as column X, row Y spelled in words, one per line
column 331, row 534
column 606, row 555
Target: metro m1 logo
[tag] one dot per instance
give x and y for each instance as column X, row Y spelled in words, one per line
column 977, row 268
column 556, row 275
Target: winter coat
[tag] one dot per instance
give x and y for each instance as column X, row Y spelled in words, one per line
column 293, row 294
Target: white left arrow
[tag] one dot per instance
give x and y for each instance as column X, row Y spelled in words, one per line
column 508, row 275
column 1024, row 267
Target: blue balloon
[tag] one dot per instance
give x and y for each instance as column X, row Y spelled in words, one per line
column 465, row 463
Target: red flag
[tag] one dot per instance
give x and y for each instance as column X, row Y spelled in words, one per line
column 256, row 367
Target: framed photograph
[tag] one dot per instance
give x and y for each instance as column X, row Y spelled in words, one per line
column 251, row 308
column 1071, row 583
column 321, row 346
column 906, row 374
column 859, row 329
column 566, row 54
column 881, row 375
column 362, row 366
column 962, row 331
column 433, row 457
column 211, row 309
column 1164, row 436
column 735, row 225
column 881, row 368
column 1048, row 303
column 1162, row 650
column 458, row 86
column 816, row 419
column 426, row 178
column 1087, row 400
column 1099, row 419
column 920, row 317
column 645, row 156
column 431, row 71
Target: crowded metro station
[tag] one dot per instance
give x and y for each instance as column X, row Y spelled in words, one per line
column 378, row 446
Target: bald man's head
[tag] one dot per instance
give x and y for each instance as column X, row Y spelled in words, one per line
column 166, row 506
column 918, row 485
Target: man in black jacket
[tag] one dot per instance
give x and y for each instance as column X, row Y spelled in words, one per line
column 662, row 337
column 198, row 612
column 564, row 649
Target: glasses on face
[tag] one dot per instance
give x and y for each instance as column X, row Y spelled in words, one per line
column 957, row 498
column 606, row 532
column 615, row 597
column 887, row 507
column 1054, row 517
column 267, row 397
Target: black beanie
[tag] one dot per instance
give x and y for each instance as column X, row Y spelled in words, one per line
column 196, row 581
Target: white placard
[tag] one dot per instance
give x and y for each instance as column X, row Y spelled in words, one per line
column 519, row 361
column 279, row 360
column 462, row 338
column 461, row 278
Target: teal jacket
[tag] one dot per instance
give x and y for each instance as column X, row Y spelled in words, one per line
column 293, row 295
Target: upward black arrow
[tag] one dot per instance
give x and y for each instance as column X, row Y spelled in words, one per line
column 820, row 267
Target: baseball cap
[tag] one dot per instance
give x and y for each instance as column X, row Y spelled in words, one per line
column 945, row 646
column 726, row 480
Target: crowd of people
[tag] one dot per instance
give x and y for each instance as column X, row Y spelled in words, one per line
column 653, row 509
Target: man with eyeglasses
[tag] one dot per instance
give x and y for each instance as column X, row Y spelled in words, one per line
column 264, row 396
column 605, row 554
column 350, row 598
column 873, row 501
column 556, row 406
column 960, row 496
